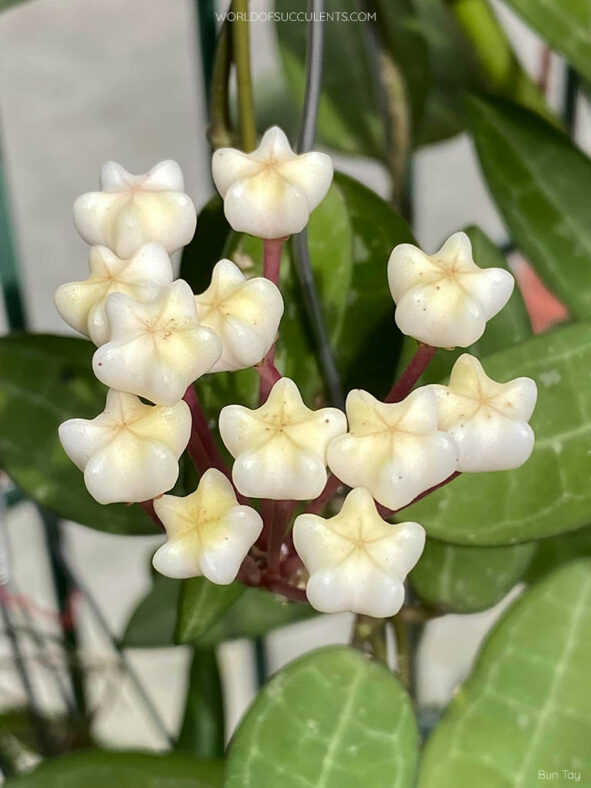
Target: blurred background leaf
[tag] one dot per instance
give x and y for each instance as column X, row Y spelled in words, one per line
column 202, row 729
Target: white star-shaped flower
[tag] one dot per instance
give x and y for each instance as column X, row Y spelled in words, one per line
column 244, row 313
column 131, row 210
column 130, row 451
column 271, row 192
column 156, row 350
column 357, row 561
column 487, row 420
column 395, row 449
column 82, row 304
column 280, row 448
column 209, row 532
column 444, row 299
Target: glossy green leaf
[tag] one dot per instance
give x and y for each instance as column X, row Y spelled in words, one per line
column 467, row 579
column 564, row 25
column 104, row 769
column 201, row 603
column 370, row 341
column 45, row 380
column 332, row 719
column 202, row 730
column 527, row 705
column 510, row 326
column 552, row 553
column 551, row 493
column 256, row 613
column 153, row 622
column 349, row 117
column 539, row 181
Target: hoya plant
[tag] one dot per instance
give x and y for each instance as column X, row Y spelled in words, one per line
column 318, row 416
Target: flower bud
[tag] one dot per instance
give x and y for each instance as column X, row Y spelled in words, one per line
column 280, row 448
column 131, row 210
column 244, row 313
column 129, row 452
column 209, row 532
column 487, row 420
column 271, row 192
column 393, row 449
column 444, row 299
column 156, row 350
column 83, row 304
column 357, row 561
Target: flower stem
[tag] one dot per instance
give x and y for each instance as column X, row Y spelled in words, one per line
column 416, row 366
column 278, row 525
column 424, row 494
column 280, row 586
column 272, row 258
column 268, row 374
column 241, row 41
column 148, row 507
column 330, row 488
column 403, row 663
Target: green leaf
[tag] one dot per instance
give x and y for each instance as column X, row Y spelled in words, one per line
column 332, row 718
column 45, row 380
column 201, row 603
column 552, row 553
column 104, row 769
column 256, row 613
column 202, row 731
column 153, row 623
column 548, row 495
column 369, row 317
column 527, row 705
column 467, row 579
column 510, row 326
column 564, row 25
column 539, row 181
column 348, row 117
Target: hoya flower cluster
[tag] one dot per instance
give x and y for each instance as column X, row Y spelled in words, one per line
column 155, row 338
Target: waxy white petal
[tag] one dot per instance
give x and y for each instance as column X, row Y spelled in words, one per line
column 444, row 299
column 395, row 450
column 131, row 210
column 357, row 561
column 83, row 304
column 280, row 448
column 244, row 313
column 209, row 532
column 156, row 350
column 487, row 420
column 271, row 192
column 130, row 451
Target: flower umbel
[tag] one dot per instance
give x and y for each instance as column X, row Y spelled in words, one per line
column 445, row 299
column 244, row 313
column 83, row 304
column 129, row 452
column 357, row 561
column 157, row 349
column 488, row 420
column 271, row 192
column 131, row 210
column 209, row 532
column 395, row 450
column 280, row 448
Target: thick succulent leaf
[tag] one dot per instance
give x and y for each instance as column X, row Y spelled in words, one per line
column 564, row 25
column 467, row 579
column 526, row 707
column 45, row 380
column 539, row 181
column 104, row 769
column 201, row 604
column 202, row 730
column 153, row 622
column 330, row 719
column 548, row 495
column 552, row 553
